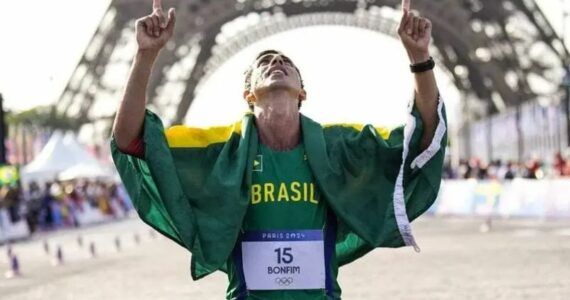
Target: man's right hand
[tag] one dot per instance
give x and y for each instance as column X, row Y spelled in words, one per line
column 154, row 30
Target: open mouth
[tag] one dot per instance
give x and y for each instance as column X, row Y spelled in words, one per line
column 276, row 71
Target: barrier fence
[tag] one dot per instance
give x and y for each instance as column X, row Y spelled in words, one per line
column 514, row 198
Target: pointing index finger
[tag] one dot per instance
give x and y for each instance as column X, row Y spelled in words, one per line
column 156, row 4
column 405, row 4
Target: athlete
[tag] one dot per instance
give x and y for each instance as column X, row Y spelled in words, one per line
column 277, row 201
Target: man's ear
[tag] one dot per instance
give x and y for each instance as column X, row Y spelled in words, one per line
column 249, row 96
column 302, row 95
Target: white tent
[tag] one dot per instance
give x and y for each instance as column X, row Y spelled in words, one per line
column 59, row 154
column 85, row 170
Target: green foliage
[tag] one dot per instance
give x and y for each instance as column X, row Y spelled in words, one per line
column 43, row 116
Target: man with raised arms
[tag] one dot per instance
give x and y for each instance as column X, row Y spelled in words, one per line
column 276, row 200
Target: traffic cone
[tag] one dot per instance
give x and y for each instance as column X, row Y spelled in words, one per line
column 14, row 268
column 9, row 251
column 58, row 259
column 118, row 244
column 92, row 250
column 487, row 226
column 46, row 247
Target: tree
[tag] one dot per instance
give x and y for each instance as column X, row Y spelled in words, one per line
column 43, row 117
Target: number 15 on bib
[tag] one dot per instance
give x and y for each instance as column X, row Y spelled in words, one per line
column 283, row 260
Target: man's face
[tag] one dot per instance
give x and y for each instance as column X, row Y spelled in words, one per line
column 274, row 71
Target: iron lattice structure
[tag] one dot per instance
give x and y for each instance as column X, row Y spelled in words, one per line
column 500, row 53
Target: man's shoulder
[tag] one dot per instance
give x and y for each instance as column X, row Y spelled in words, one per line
column 183, row 136
column 356, row 128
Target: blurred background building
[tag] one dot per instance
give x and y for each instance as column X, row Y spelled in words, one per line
column 504, row 58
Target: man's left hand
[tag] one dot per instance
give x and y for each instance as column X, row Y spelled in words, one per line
column 415, row 33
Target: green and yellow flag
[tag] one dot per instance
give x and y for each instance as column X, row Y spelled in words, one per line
column 193, row 184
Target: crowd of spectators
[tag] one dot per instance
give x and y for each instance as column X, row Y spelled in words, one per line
column 59, row 204
column 536, row 168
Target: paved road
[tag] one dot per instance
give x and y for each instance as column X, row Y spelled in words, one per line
column 522, row 259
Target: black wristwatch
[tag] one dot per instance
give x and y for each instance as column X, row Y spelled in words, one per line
column 423, row 66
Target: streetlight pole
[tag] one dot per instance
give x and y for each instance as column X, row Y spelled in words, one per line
column 2, row 133
column 566, row 86
column 566, row 79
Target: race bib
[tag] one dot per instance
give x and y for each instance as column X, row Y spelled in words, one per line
column 283, row 260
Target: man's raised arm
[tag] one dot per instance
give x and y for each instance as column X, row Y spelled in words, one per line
column 152, row 33
column 415, row 33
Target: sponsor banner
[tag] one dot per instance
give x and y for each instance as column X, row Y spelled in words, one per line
column 455, row 197
column 516, row 198
column 558, row 199
column 523, row 198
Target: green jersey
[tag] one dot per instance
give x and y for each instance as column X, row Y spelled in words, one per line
column 196, row 186
column 284, row 197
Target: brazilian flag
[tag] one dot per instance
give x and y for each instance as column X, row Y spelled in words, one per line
column 193, row 184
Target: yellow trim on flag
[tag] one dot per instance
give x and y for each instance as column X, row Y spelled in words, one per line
column 190, row 137
column 384, row 132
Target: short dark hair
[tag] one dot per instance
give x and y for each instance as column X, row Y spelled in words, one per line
column 249, row 70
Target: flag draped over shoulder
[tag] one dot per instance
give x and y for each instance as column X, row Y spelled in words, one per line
column 193, row 184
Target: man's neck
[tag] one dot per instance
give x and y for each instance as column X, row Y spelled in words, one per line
column 278, row 122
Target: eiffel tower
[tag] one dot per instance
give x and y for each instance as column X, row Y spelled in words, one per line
column 490, row 48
